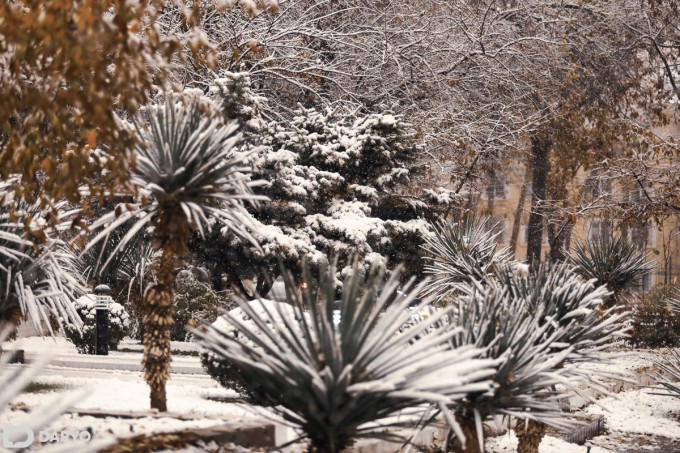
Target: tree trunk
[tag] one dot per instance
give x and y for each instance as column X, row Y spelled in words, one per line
column 469, row 429
column 490, row 196
column 518, row 214
column 157, row 321
column 540, row 150
column 558, row 239
column 529, row 434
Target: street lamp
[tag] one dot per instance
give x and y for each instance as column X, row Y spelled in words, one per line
column 103, row 300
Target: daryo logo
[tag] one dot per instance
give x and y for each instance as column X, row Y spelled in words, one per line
column 20, row 436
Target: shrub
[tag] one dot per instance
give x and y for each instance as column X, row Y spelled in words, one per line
column 195, row 302
column 225, row 371
column 613, row 262
column 119, row 324
column 655, row 323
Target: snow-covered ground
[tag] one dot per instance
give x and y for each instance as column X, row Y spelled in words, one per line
column 636, row 420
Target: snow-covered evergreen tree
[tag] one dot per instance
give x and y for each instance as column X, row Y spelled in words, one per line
column 337, row 184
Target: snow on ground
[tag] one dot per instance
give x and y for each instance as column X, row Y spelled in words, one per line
column 625, row 360
column 507, row 443
column 110, row 392
column 634, row 418
column 108, row 426
column 639, row 412
column 59, row 345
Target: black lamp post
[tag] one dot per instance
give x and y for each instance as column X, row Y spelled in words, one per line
column 102, row 296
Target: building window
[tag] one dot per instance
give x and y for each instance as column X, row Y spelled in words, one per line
column 498, row 225
column 599, row 228
column 496, row 187
column 595, row 186
column 642, row 236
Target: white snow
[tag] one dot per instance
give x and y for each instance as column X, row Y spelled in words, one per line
column 507, row 443
column 637, row 411
column 127, row 392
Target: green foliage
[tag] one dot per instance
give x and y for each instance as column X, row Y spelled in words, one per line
column 612, row 262
column 338, row 180
column 195, row 303
column 655, row 321
column 85, row 339
column 331, row 380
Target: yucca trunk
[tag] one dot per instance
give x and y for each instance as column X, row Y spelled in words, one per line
column 469, row 429
column 329, row 444
column 157, row 321
column 529, row 434
column 10, row 320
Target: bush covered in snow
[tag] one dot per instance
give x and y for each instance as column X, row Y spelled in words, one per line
column 655, row 321
column 195, row 303
column 225, row 371
column 338, row 185
column 119, row 325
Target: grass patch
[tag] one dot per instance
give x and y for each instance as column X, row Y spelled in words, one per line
column 41, row 387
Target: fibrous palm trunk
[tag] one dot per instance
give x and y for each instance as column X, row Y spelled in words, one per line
column 469, row 429
column 157, row 321
column 529, row 434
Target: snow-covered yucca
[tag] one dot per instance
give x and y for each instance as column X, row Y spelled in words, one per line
column 613, row 262
column 39, row 275
column 187, row 175
column 462, row 253
column 332, row 380
column 535, row 324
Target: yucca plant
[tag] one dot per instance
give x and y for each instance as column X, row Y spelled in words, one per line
column 339, row 381
column 462, row 253
column 570, row 308
column 612, row 262
column 186, row 173
column 39, row 275
column 536, row 324
column 524, row 382
column 670, row 364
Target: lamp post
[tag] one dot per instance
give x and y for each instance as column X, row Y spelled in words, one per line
column 102, row 297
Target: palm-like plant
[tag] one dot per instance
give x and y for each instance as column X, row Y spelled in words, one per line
column 185, row 174
column 612, row 262
column 39, row 275
column 332, row 380
column 535, row 324
column 529, row 367
column 570, row 308
column 462, row 253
